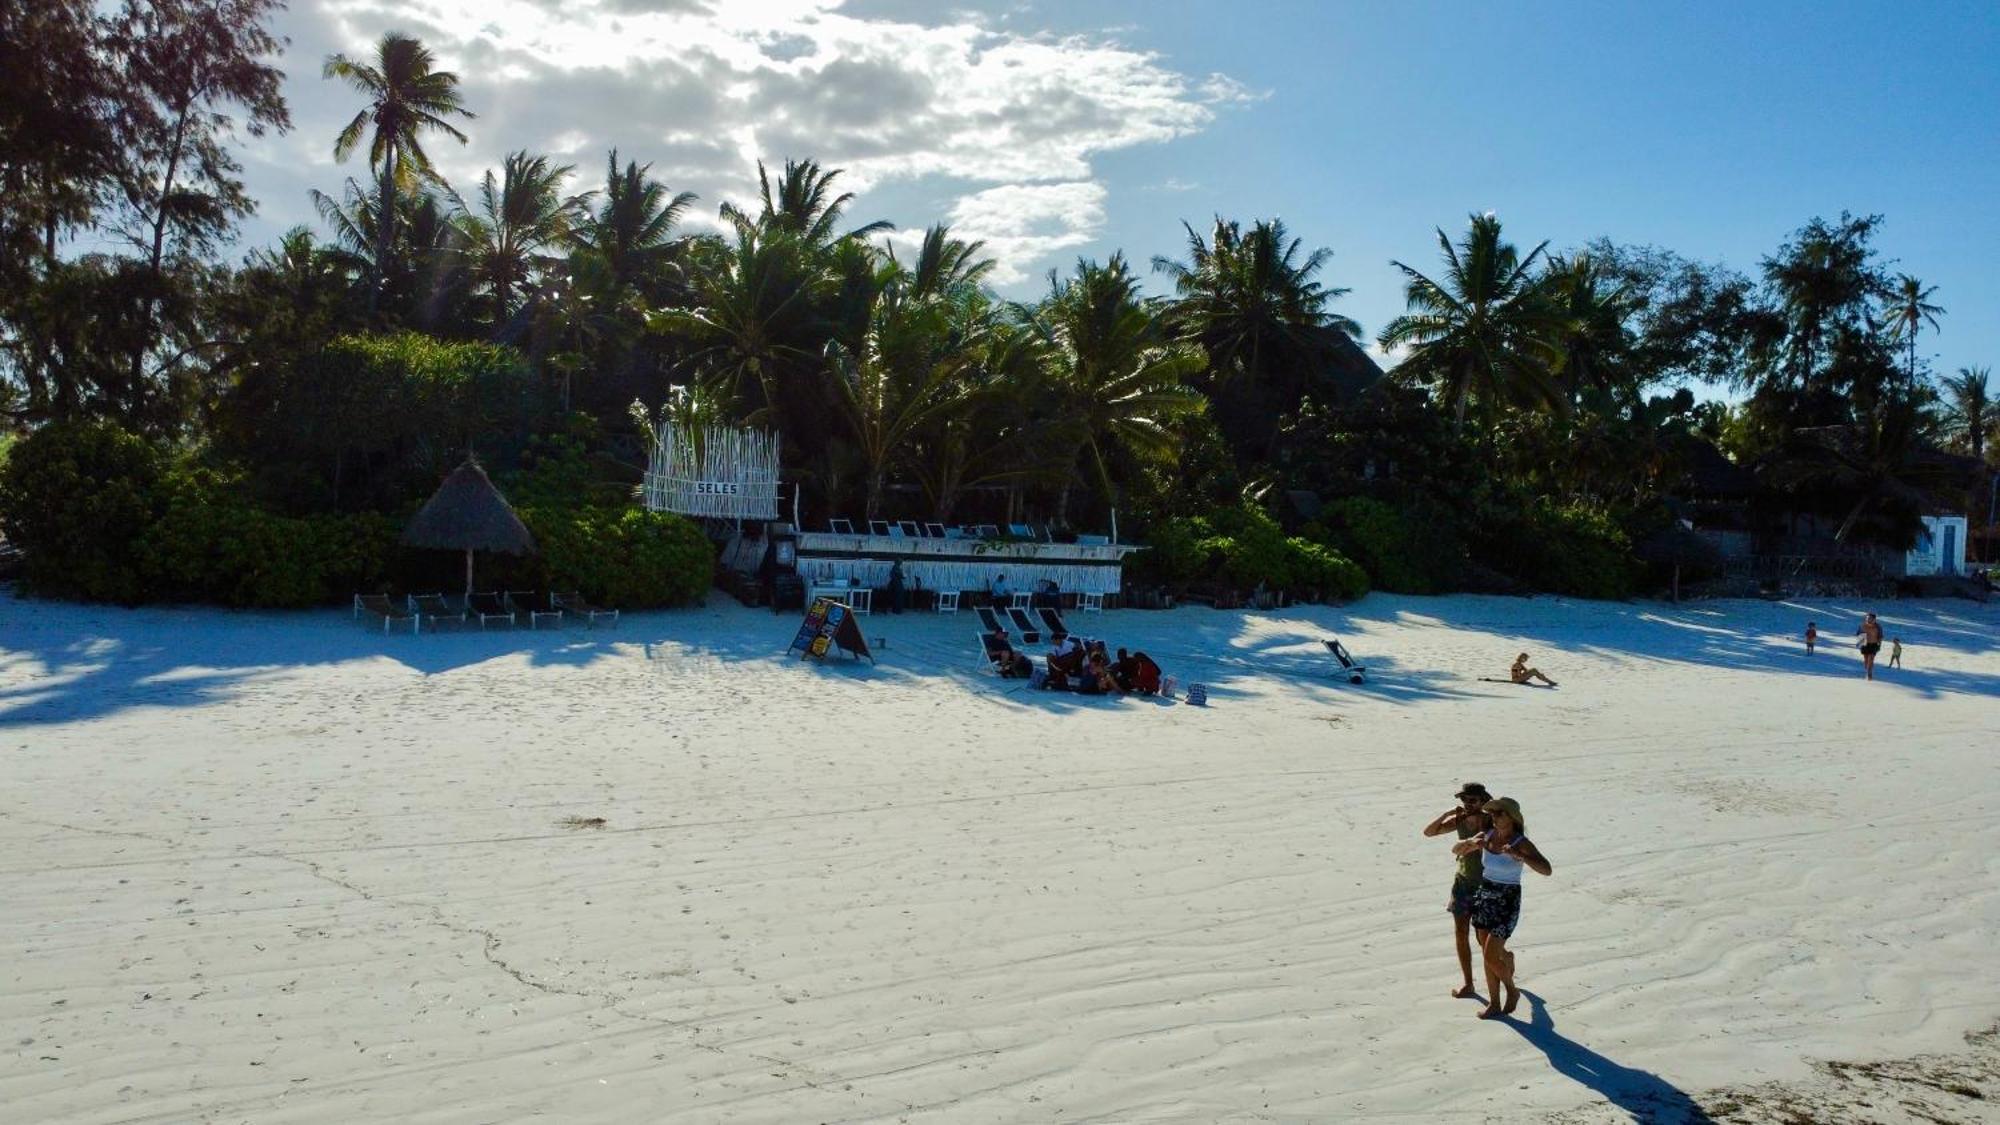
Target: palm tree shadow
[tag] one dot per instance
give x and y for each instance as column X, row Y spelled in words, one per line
column 1641, row 1093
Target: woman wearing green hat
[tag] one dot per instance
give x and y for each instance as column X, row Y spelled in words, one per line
column 1504, row 850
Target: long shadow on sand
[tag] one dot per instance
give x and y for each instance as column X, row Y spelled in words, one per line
column 84, row 662
column 1641, row 1093
column 1740, row 637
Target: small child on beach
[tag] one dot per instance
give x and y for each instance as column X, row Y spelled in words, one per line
column 1895, row 652
column 1812, row 637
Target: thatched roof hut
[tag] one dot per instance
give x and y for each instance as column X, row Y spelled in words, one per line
column 468, row 514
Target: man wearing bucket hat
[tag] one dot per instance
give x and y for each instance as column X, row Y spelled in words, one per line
column 1469, row 821
column 1503, row 851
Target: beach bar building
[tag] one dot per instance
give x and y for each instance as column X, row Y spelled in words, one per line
column 955, row 561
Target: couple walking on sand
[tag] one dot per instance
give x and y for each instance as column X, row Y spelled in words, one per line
column 1493, row 849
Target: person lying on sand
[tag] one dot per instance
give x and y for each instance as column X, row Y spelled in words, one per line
column 1520, row 673
column 1504, row 850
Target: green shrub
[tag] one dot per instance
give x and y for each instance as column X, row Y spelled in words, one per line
column 1322, row 571
column 1243, row 548
column 370, row 420
column 1404, row 552
column 1562, row 550
column 630, row 558
column 75, row 497
column 210, row 545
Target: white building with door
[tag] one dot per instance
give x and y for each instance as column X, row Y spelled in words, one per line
column 1940, row 548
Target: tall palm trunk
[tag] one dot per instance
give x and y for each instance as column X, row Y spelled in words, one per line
column 385, row 229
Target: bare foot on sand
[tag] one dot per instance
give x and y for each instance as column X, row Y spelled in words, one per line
column 1513, row 999
column 1490, row 1012
column 1465, row 993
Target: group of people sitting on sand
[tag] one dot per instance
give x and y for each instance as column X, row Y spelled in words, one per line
column 1082, row 665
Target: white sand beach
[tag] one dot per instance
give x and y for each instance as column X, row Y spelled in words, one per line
column 276, row 868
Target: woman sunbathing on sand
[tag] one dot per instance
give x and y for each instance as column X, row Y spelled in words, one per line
column 1520, row 673
column 1504, row 849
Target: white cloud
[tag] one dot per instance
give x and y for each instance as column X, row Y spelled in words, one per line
column 1022, row 224
column 703, row 90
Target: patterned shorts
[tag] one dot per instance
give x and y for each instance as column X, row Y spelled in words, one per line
column 1463, row 888
column 1496, row 908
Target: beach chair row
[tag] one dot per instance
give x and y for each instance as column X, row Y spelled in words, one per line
column 1014, row 619
column 512, row 608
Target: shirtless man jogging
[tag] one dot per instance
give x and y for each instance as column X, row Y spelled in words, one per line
column 1469, row 822
column 1871, row 643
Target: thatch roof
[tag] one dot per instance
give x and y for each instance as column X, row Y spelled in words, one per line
column 468, row 514
column 1711, row 473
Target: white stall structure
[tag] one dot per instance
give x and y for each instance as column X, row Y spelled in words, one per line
column 1940, row 549
column 713, row 472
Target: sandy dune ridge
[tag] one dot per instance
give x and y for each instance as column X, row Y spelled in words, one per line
column 276, row 868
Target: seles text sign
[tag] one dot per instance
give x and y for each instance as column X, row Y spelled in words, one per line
column 718, row 488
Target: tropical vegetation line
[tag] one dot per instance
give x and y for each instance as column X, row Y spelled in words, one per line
column 252, row 433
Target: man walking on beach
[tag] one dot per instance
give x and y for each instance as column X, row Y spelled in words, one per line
column 1469, row 822
column 1871, row 643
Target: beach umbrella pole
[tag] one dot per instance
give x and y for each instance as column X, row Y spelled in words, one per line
column 468, row 572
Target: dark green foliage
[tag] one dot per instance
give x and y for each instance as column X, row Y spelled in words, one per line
column 372, row 421
column 1404, row 551
column 210, row 544
column 562, row 470
column 1559, row 550
column 74, row 497
column 1241, row 549
column 629, row 558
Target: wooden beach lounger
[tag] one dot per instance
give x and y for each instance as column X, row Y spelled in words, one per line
column 490, row 607
column 534, row 607
column 1053, row 619
column 990, row 619
column 379, row 607
column 1355, row 672
column 995, row 650
column 1024, row 626
column 574, row 603
column 434, row 611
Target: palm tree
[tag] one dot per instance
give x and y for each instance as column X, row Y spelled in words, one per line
column 634, row 223
column 426, row 275
column 1972, row 417
column 406, row 97
column 1487, row 329
column 1593, row 309
column 524, row 224
column 944, row 265
column 1118, row 377
column 902, row 377
column 1909, row 310
column 1251, row 303
column 750, row 318
column 993, row 434
column 802, row 206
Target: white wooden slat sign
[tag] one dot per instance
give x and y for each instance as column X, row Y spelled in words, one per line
column 715, row 471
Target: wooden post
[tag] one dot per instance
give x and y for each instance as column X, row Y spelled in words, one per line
column 468, row 575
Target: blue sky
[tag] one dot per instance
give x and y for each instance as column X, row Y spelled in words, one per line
column 1059, row 129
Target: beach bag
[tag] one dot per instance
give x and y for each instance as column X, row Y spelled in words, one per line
column 1147, row 678
column 1167, row 687
column 1198, row 694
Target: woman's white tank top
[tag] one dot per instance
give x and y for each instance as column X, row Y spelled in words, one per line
column 1498, row 868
